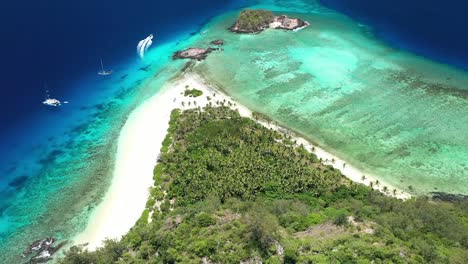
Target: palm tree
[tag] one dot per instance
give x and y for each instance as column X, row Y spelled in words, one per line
column 363, row 178
column 385, row 189
column 394, row 191
column 371, row 184
column 377, row 182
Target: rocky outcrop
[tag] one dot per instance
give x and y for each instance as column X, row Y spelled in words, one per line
column 218, row 42
column 447, row 197
column 41, row 250
column 198, row 54
column 284, row 22
column 193, row 53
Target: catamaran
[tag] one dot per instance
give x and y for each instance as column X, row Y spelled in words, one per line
column 104, row 72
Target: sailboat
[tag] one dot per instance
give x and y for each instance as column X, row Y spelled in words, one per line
column 104, row 72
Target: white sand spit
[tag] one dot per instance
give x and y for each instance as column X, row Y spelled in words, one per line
column 138, row 148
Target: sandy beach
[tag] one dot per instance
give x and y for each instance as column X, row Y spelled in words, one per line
column 138, row 148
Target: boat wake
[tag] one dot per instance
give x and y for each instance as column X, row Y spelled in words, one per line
column 144, row 45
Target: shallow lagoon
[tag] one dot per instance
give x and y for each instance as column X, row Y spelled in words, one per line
column 394, row 115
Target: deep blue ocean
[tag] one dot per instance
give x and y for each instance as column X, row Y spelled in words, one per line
column 434, row 29
column 58, row 43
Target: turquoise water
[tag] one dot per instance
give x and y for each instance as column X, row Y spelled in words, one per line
column 392, row 114
column 74, row 160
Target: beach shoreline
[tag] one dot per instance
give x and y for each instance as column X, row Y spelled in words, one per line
column 347, row 169
column 139, row 145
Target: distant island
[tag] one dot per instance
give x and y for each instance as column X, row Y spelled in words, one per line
column 255, row 21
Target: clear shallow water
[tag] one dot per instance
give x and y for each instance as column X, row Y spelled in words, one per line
column 57, row 163
column 392, row 114
column 388, row 112
column 56, row 182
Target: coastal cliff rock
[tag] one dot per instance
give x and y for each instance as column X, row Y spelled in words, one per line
column 255, row 21
column 42, row 250
column 284, row 22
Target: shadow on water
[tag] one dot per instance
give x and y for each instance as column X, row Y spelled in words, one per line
column 18, row 182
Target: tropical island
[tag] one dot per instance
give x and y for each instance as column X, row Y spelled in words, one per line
column 228, row 189
column 289, row 147
column 255, row 21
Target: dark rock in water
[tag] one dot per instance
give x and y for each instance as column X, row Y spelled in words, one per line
column 146, row 68
column 18, row 182
column 447, row 197
column 193, row 53
column 218, row 42
column 38, row 245
column 42, row 250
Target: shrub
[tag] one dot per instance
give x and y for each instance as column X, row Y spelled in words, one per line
column 204, row 220
column 254, row 19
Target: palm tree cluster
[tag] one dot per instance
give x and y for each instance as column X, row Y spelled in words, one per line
column 215, row 151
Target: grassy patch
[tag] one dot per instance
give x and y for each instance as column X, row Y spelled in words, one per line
column 193, row 92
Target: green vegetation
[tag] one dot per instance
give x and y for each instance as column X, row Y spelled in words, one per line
column 193, row 93
column 229, row 190
column 254, row 20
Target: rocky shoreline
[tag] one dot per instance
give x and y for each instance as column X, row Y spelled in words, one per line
column 41, row 250
column 198, row 54
column 284, row 22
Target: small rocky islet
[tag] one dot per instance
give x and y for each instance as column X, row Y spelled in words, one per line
column 248, row 22
column 193, row 53
column 256, row 21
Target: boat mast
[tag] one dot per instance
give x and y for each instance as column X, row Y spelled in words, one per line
column 102, row 65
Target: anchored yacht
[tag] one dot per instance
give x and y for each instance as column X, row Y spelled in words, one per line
column 51, row 101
